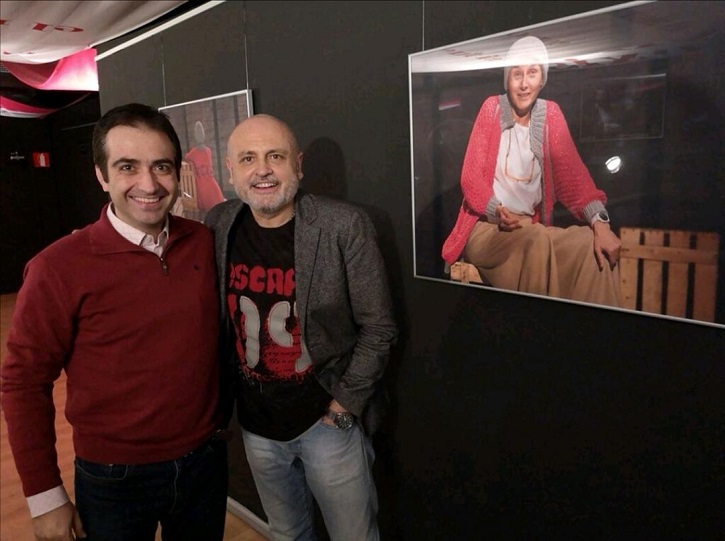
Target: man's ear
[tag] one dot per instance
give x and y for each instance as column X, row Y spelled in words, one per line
column 102, row 181
column 300, row 174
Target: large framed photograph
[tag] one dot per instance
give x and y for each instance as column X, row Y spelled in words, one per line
column 204, row 127
column 579, row 160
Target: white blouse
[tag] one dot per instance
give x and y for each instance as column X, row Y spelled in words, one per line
column 517, row 181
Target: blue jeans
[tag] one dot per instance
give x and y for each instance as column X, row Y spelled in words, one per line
column 187, row 496
column 334, row 466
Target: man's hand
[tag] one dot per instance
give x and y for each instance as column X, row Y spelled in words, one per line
column 507, row 220
column 336, row 407
column 60, row 524
column 606, row 245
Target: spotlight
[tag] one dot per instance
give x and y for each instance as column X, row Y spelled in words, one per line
column 614, row 164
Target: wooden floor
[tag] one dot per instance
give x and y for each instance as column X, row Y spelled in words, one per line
column 15, row 522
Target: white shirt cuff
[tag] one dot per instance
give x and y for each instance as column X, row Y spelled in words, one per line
column 47, row 501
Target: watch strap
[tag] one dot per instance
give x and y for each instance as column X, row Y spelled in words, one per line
column 600, row 216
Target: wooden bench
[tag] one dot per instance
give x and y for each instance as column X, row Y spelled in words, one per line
column 466, row 273
column 188, row 192
column 669, row 272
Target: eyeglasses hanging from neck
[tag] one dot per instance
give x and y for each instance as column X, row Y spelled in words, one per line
column 512, row 134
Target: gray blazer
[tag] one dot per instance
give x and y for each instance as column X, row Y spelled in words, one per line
column 342, row 296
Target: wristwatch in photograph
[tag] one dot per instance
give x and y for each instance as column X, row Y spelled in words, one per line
column 602, row 216
column 343, row 420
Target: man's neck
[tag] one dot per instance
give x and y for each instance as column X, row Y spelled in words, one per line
column 277, row 219
column 118, row 222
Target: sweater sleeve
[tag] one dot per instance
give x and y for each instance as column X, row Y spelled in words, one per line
column 479, row 163
column 573, row 185
column 38, row 343
column 479, row 166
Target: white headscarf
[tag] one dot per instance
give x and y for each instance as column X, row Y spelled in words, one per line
column 524, row 52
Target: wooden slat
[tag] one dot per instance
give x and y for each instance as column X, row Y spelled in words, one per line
column 187, row 180
column 664, row 253
column 188, row 192
column 676, row 304
column 652, row 275
column 705, row 280
column 628, row 269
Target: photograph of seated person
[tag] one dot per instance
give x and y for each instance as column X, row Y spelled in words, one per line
column 520, row 160
column 208, row 192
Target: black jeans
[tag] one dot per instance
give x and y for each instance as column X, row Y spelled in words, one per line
column 186, row 496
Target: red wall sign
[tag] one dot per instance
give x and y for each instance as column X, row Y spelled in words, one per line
column 41, row 159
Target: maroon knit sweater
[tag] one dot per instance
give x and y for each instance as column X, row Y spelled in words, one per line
column 137, row 338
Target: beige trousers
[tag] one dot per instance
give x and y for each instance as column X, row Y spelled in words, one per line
column 543, row 260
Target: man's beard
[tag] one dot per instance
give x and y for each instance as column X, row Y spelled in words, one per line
column 270, row 205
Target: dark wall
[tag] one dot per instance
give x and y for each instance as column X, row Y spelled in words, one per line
column 28, row 205
column 39, row 205
column 79, row 195
column 513, row 417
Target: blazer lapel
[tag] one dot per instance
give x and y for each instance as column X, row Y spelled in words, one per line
column 307, row 238
column 221, row 248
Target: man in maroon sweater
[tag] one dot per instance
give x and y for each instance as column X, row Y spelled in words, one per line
column 128, row 308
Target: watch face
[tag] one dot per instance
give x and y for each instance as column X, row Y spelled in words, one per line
column 343, row 421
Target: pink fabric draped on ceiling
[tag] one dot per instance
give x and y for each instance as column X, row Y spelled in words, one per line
column 48, row 46
column 15, row 109
column 75, row 72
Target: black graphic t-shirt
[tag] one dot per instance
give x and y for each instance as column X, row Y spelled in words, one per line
column 280, row 397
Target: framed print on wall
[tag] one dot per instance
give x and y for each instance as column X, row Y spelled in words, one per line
column 525, row 143
column 204, row 127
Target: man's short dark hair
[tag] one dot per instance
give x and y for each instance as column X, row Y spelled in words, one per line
column 135, row 115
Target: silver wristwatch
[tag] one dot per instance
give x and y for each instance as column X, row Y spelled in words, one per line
column 343, row 420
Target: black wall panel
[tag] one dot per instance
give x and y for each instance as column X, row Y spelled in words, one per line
column 199, row 49
column 133, row 75
column 513, row 417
